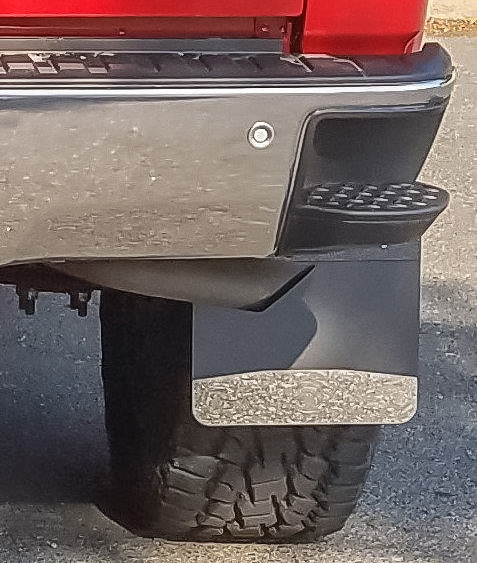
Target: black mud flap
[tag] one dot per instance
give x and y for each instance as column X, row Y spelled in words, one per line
column 334, row 340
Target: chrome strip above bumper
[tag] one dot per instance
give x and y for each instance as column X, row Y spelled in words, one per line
column 409, row 93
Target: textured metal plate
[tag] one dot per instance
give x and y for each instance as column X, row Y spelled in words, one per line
column 109, row 168
column 304, row 397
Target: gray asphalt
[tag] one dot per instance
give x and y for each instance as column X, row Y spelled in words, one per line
column 419, row 500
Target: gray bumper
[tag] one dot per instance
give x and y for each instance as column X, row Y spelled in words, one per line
column 99, row 165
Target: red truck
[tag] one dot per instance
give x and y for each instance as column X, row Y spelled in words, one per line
column 238, row 179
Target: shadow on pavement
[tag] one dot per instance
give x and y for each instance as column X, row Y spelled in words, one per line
column 52, row 440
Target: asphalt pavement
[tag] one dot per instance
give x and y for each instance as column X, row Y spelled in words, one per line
column 419, row 503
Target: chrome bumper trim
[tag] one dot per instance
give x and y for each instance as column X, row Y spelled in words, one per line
column 418, row 92
column 115, row 171
column 309, row 397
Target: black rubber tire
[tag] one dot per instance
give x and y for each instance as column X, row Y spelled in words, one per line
column 173, row 478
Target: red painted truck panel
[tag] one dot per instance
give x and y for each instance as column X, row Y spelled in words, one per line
column 167, row 8
column 143, row 27
column 336, row 27
column 366, row 27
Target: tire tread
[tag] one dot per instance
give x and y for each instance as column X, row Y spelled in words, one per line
column 264, row 485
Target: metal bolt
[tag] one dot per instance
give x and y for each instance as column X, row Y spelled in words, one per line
column 27, row 299
column 79, row 302
column 261, row 135
column 83, row 299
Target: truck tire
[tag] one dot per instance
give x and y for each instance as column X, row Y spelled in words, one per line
column 174, row 478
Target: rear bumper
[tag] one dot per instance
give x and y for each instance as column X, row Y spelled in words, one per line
column 148, row 155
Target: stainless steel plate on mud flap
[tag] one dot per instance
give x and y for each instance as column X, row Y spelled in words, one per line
column 305, row 397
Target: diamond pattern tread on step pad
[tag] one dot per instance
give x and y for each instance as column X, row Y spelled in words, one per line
column 360, row 213
column 370, row 199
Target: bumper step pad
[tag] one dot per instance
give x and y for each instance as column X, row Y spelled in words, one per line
column 361, row 213
column 40, row 60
